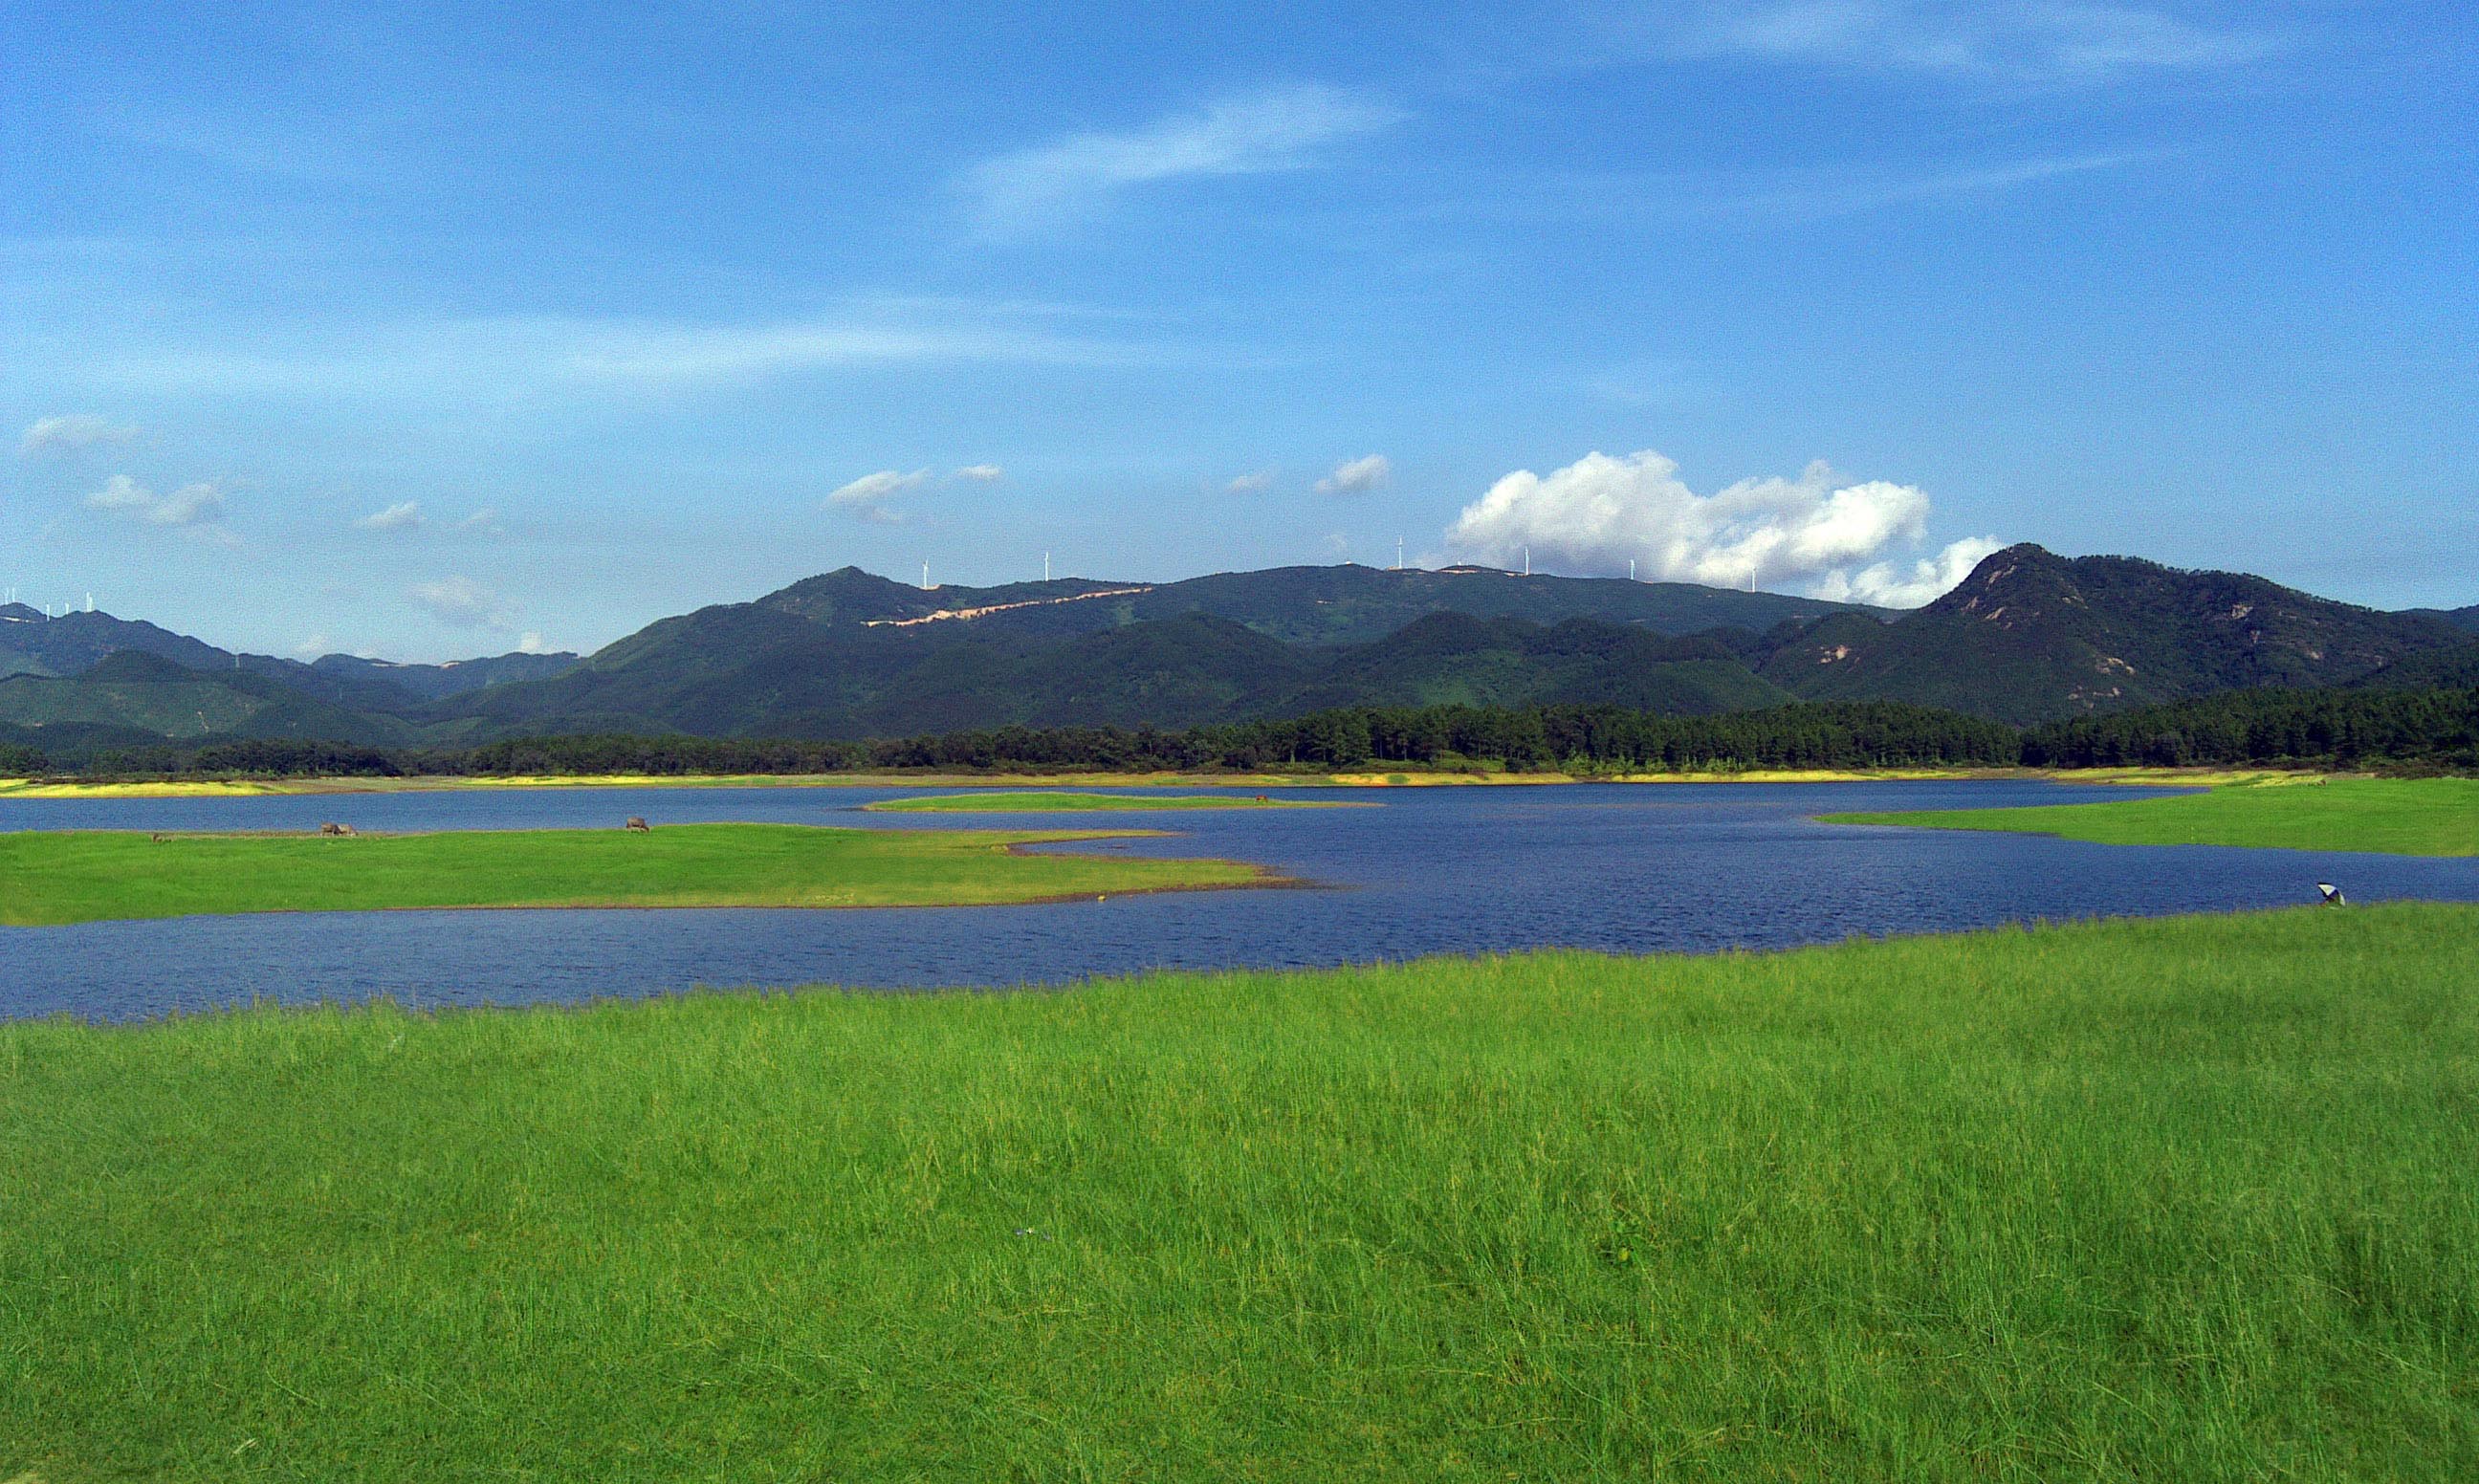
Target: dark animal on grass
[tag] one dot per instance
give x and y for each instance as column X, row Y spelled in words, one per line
column 639, row 825
column 334, row 829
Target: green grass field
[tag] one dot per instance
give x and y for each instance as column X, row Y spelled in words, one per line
column 2396, row 816
column 1047, row 803
column 2185, row 1199
column 86, row 876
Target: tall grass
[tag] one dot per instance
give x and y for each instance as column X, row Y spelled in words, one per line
column 2435, row 816
column 52, row 877
column 2162, row 1200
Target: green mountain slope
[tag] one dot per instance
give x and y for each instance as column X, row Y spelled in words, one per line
column 756, row 670
column 1346, row 605
column 2031, row 636
column 132, row 694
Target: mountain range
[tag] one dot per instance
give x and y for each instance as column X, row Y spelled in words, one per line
column 2028, row 636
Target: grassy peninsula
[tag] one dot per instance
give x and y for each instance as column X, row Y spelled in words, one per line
column 1061, row 802
column 2171, row 1199
column 2395, row 816
column 86, row 876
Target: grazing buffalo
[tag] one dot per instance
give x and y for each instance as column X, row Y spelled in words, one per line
column 334, row 829
column 639, row 824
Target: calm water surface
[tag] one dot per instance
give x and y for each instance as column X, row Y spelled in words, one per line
column 1622, row 868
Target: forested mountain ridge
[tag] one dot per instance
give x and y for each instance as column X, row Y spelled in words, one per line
column 2031, row 636
column 74, row 643
column 1342, row 604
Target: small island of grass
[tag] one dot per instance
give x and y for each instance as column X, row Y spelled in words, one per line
column 2436, row 816
column 1059, row 802
column 59, row 876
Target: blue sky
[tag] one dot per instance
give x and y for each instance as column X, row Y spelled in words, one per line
column 427, row 331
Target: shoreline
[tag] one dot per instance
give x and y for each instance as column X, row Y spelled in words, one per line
column 247, row 788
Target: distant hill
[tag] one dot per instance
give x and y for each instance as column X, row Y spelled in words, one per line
column 1344, row 604
column 2460, row 618
column 132, row 696
column 450, row 677
column 755, row 671
column 2031, row 636
column 75, row 642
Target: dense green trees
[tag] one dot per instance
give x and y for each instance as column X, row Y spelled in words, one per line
column 2340, row 726
column 2344, row 728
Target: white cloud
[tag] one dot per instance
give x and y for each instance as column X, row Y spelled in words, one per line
column 1888, row 586
column 198, row 508
column 1599, row 513
column 1249, row 483
column 1071, row 178
column 867, row 497
column 486, row 521
column 313, row 646
column 530, row 642
column 462, row 603
column 404, row 515
column 981, row 473
column 71, row 431
column 487, row 360
column 1358, row 476
column 2039, row 40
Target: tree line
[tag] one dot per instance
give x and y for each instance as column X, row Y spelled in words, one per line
column 2344, row 728
column 2262, row 726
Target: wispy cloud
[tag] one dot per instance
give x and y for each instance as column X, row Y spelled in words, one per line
column 404, row 515
column 1358, row 476
column 491, row 359
column 1250, row 483
column 980, row 474
column 197, row 508
column 1852, row 192
column 1036, row 189
column 2040, row 40
column 460, row 603
column 867, row 497
column 71, row 431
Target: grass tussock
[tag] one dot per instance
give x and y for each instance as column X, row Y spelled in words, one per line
column 1058, row 801
column 2166, row 1200
column 2436, row 816
column 54, row 876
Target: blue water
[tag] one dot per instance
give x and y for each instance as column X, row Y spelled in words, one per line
column 1443, row 870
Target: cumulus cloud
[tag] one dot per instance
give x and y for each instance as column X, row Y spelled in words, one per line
column 1359, row 476
column 530, row 642
column 71, row 431
column 198, row 508
column 1249, row 483
column 1073, row 177
column 867, row 497
column 1889, row 586
column 1599, row 513
column 460, row 603
column 403, row 515
column 981, row 473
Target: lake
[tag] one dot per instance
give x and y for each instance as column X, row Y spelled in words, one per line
column 1463, row 870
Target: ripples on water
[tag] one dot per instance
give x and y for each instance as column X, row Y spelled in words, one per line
column 1622, row 868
